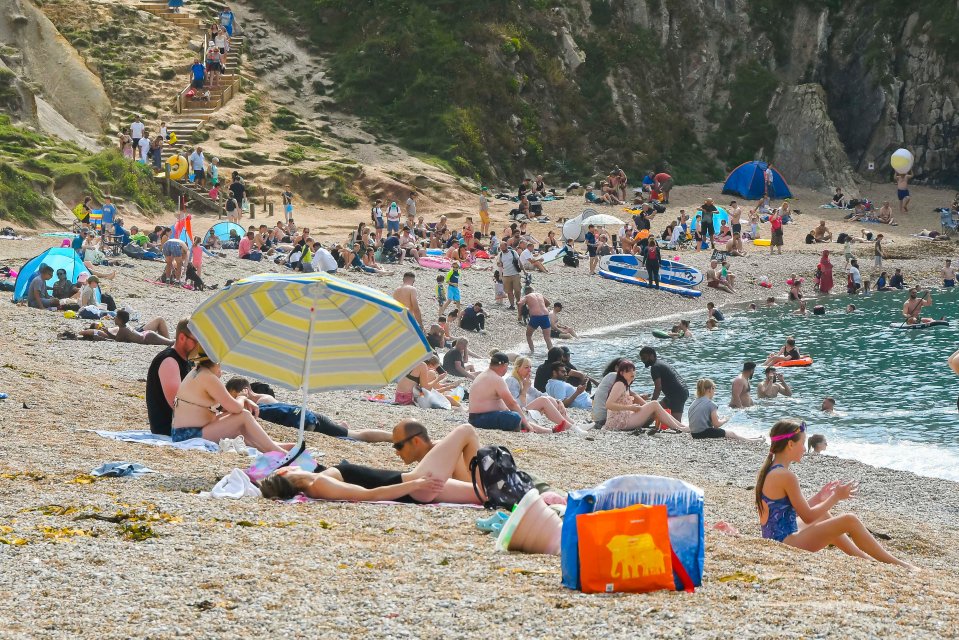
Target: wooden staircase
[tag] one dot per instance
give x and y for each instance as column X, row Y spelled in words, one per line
column 190, row 113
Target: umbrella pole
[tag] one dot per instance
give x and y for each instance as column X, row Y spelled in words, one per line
column 306, row 375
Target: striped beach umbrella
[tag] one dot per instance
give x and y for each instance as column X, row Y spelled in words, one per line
column 313, row 332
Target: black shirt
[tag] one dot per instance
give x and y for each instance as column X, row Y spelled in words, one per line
column 238, row 191
column 671, row 384
column 450, row 359
column 543, row 373
column 158, row 410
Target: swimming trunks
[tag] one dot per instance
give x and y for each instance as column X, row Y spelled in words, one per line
column 502, row 420
column 902, row 194
column 370, row 478
column 453, row 293
column 781, row 522
column 539, row 322
column 948, row 283
column 179, row 434
column 403, row 398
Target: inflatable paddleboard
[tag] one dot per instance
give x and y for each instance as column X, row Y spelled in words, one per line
column 439, row 262
column 762, row 242
column 659, row 333
column 554, row 254
column 668, row 288
column 573, row 228
column 435, row 252
column 670, row 271
column 805, row 361
column 919, row 325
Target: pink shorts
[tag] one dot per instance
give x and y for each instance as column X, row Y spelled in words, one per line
column 403, row 398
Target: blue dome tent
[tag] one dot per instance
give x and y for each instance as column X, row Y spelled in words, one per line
column 222, row 231
column 747, row 181
column 56, row 258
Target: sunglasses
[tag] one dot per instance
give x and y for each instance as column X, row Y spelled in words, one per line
column 402, row 443
column 787, row 436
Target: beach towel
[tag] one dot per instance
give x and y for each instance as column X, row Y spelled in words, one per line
column 380, row 398
column 300, row 499
column 145, row 437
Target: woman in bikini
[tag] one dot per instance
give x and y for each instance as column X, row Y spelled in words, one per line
column 779, row 500
column 195, row 413
column 424, row 374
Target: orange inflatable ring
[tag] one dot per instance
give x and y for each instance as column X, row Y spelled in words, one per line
column 805, row 361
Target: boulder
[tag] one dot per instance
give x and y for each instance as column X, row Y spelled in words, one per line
column 808, row 151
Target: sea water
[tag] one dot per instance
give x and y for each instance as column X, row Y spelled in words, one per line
column 895, row 393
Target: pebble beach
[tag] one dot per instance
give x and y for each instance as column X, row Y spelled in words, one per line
column 152, row 558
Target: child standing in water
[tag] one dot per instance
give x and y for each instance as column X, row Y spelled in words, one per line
column 779, row 500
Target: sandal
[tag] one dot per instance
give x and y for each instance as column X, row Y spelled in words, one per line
column 489, row 524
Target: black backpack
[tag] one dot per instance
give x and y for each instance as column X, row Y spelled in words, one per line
column 571, row 259
column 505, row 485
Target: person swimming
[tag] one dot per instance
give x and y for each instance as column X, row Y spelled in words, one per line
column 780, row 503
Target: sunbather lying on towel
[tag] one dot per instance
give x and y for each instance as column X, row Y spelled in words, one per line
column 288, row 415
column 431, row 481
column 155, row 331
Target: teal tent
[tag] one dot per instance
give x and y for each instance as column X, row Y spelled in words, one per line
column 57, row 258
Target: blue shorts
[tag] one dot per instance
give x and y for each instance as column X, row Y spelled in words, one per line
column 186, row 433
column 453, row 293
column 379, row 223
column 392, row 226
column 502, row 420
column 539, row 322
column 172, row 249
column 902, row 194
column 948, row 283
column 289, row 208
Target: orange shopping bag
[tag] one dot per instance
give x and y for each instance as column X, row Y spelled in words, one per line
column 625, row 550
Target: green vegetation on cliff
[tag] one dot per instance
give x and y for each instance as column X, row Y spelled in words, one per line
column 31, row 165
column 482, row 85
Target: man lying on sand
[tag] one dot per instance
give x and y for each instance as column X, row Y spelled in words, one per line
column 288, row 415
column 432, row 480
column 153, row 332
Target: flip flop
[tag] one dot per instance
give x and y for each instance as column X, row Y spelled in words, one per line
column 489, row 524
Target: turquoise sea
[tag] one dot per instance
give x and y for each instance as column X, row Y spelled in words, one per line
column 895, row 393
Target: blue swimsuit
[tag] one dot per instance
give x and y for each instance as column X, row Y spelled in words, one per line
column 781, row 522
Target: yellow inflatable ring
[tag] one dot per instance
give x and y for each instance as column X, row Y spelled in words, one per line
column 178, row 167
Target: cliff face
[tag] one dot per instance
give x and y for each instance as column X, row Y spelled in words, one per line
column 47, row 69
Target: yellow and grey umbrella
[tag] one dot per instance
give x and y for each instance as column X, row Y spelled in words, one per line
column 313, row 332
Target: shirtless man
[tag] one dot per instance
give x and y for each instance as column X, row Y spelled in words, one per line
column 538, row 316
column 912, row 308
column 491, row 404
column 735, row 217
column 714, row 280
column 828, row 405
column 773, row 385
column 741, row 398
column 948, row 275
column 681, row 330
column 557, row 330
column 411, row 441
column 822, row 233
column 902, row 191
column 405, row 294
column 153, row 332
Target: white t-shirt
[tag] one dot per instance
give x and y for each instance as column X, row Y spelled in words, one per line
column 393, row 212
column 144, row 148
column 769, row 175
column 525, row 257
column 323, row 260
column 136, row 129
column 677, row 233
column 856, row 277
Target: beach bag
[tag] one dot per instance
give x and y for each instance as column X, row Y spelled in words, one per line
column 626, row 550
column 684, row 510
column 505, row 485
column 431, row 399
column 571, row 259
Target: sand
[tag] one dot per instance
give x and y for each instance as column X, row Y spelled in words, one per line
column 230, row 569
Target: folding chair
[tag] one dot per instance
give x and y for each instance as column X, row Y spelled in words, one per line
column 947, row 221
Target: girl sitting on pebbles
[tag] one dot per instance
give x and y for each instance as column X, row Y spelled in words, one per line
column 779, row 500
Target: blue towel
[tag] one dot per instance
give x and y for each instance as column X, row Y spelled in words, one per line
column 121, row 470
